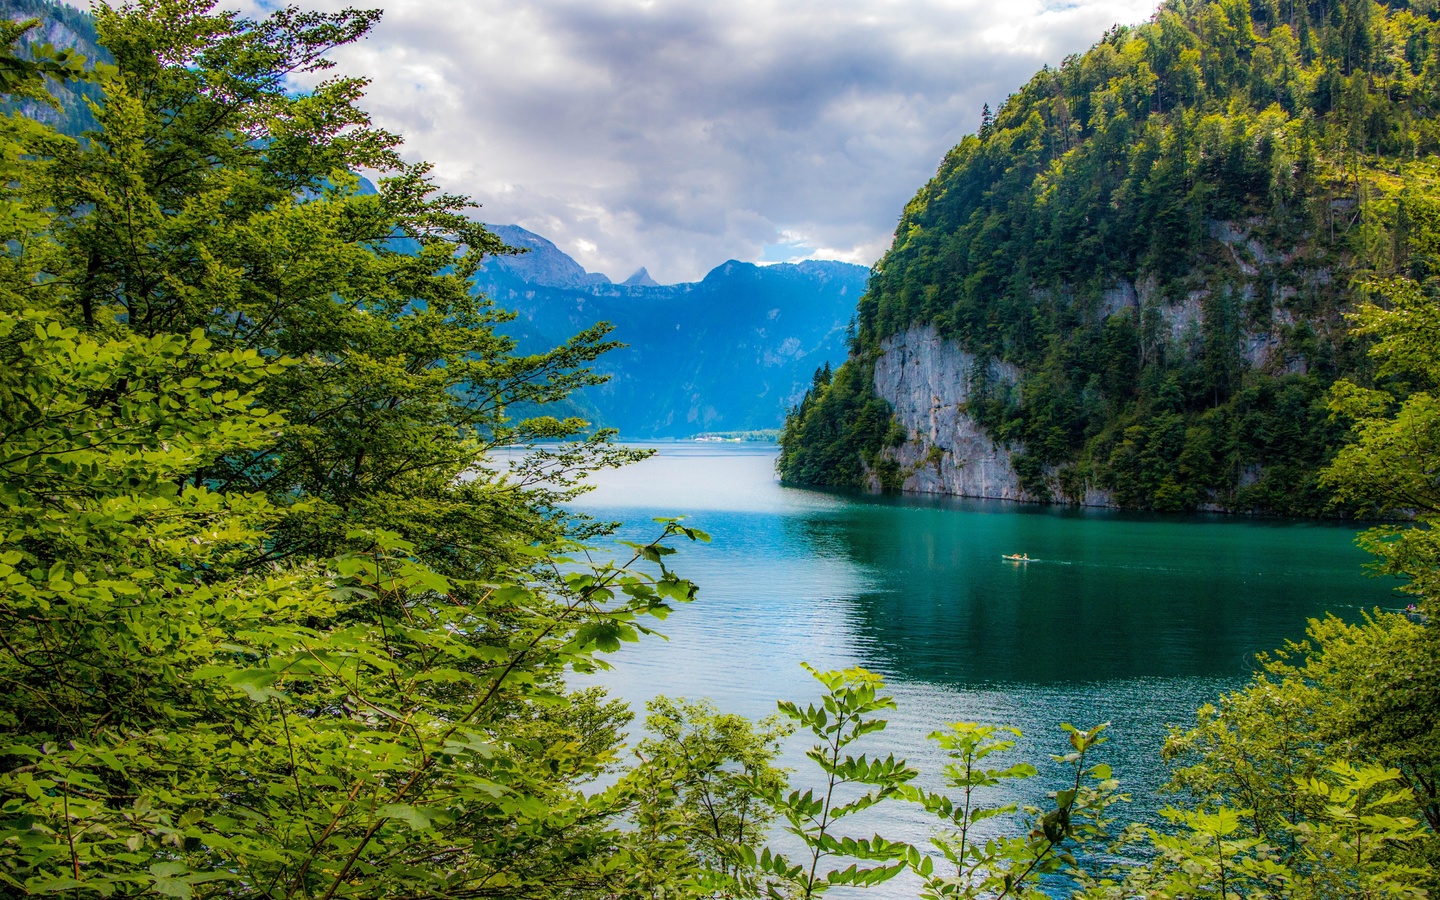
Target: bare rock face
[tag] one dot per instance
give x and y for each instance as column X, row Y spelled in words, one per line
column 928, row 381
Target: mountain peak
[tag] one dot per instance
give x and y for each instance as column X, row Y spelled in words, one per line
column 641, row 278
column 545, row 263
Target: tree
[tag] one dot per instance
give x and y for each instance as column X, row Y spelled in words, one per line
column 269, row 626
column 701, row 801
column 212, row 196
column 1389, row 469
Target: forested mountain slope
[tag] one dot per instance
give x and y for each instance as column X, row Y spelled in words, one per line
column 731, row 352
column 61, row 26
column 1129, row 287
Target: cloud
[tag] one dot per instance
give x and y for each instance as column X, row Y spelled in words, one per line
column 676, row 135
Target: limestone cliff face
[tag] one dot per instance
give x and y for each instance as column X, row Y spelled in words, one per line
column 928, row 381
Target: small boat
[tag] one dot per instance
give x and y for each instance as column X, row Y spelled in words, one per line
column 1016, row 557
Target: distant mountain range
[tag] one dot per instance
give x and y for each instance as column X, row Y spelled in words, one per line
column 731, row 352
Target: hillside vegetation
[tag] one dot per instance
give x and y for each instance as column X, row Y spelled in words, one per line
column 1163, row 234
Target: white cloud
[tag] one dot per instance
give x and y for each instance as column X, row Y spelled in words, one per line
column 676, row 135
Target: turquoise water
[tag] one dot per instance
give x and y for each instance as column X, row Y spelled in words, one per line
column 1131, row 619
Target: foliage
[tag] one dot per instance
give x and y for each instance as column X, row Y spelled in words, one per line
column 835, row 435
column 999, row 865
column 1162, row 234
column 1349, row 848
column 178, row 716
column 1012, row 865
column 1347, row 829
column 25, row 76
column 844, row 716
column 700, row 801
column 1389, row 470
column 270, row 625
column 214, row 197
column 1352, row 697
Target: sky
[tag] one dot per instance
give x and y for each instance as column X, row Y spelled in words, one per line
column 678, row 134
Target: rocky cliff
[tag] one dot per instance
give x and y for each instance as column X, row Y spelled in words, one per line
column 928, row 382
column 928, row 379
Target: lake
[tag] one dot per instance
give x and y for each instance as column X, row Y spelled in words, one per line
column 1128, row 618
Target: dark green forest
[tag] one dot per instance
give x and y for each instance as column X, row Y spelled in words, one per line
column 1236, row 173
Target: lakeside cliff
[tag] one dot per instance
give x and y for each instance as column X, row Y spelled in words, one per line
column 1129, row 287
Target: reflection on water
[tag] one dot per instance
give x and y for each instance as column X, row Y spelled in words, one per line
column 1132, row 619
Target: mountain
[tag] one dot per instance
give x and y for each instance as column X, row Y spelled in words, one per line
column 1129, row 287
column 61, row 26
column 731, row 352
column 641, row 278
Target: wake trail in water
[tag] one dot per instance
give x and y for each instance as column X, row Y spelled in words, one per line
column 1167, row 570
column 1084, row 564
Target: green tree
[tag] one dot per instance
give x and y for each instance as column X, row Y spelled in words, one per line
column 213, row 196
column 1011, row 865
column 271, row 627
column 701, row 801
column 1388, row 470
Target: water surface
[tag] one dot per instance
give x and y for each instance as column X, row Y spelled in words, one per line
column 1132, row 619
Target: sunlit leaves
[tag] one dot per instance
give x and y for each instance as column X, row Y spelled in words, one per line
column 1351, row 845
column 699, row 801
column 1336, row 729
column 986, row 861
column 845, row 715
